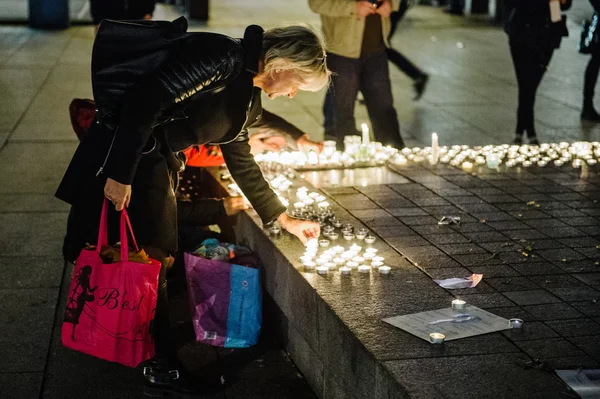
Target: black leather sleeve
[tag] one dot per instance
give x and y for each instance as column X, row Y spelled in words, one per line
column 276, row 125
column 201, row 212
column 249, row 178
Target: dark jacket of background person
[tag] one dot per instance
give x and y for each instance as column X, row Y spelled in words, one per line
column 528, row 22
column 120, row 9
column 137, row 153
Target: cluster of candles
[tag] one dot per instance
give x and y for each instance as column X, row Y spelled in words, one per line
column 578, row 154
column 342, row 259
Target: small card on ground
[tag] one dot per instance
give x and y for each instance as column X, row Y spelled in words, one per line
column 453, row 324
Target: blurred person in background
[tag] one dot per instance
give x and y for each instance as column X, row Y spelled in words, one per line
column 533, row 34
column 588, row 112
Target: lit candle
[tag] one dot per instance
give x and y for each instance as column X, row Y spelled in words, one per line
column 309, row 265
column 364, row 269
column 458, row 304
column 370, row 239
column 324, row 243
column 368, row 255
column 376, row 264
column 352, row 265
column 515, row 323
column 467, row 165
column 435, row 149
column 330, row 265
column 372, row 250
column 345, row 270
column 385, row 270
column 322, row 270
column 437, row 338
column 365, row 134
column 339, row 261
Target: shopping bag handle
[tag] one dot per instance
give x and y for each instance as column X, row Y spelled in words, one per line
column 125, row 224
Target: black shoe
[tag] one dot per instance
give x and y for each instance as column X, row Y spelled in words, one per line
column 518, row 140
column 161, row 380
column 533, row 140
column 420, row 84
column 589, row 114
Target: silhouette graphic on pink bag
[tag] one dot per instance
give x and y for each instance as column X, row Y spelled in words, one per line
column 82, row 293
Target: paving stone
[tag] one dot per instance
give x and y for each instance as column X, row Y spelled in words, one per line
column 575, row 327
column 582, row 293
column 21, row 385
column 515, row 257
column 582, row 221
column 590, row 345
column 388, row 221
column 484, row 237
column 531, row 297
column 430, row 200
column 365, row 214
column 493, row 216
column 418, row 220
column 542, row 224
column 590, row 231
column 570, row 363
column 448, row 272
column 478, row 208
column 499, row 199
column 510, row 312
column 472, row 228
column 395, row 231
column 578, row 266
column 508, row 225
column 462, row 249
column 557, row 281
column 30, row 272
column 546, row 348
column 537, row 268
column 477, row 259
column 506, row 246
column 494, row 271
column 533, row 330
column 565, row 232
column 406, row 211
column 451, row 238
column 438, row 211
column 470, row 199
column 484, row 301
column 591, row 211
column 555, row 311
column 543, row 244
column 434, row 261
column 592, row 279
column 391, row 203
column 580, row 242
column 506, row 284
column 400, row 243
column 500, row 369
column 28, row 234
column 588, row 308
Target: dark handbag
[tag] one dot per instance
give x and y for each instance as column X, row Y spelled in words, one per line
column 589, row 41
column 125, row 52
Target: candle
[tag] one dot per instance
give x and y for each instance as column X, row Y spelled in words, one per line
column 467, row 165
column 364, row 269
column 323, row 205
column 355, row 248
column 338, row 249
column 378, row 259
column 435, row 149
column 358, row 259
column 458, row 304
column 437, row 338
column 330, row 265
column 348, row 236
column 299, row 205
column 370, row 239
column 360, row 235
column 309, row 265
column 371, row 250
column 339, row 261
column 275, row 230
column 352, row 265
column 345, row 270
column 365, row 134
column 385, row 270
column 322, row 270
column 313, row 243
column 376, row 264
column 334, row 236
column 515, row 323
column 324, row 243
column 368, row 255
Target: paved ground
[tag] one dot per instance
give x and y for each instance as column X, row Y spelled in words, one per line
column 471, row 100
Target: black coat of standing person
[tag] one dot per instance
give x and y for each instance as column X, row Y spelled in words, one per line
column 121, row 10
column 533, row 37
column 158, row 91
column 588, row 112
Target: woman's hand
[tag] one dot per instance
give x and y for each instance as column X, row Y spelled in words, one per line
column 234, row 205
column 365, row 8
column 306, row 144
column 303, row 229
column 385, row 9
column 117, row 193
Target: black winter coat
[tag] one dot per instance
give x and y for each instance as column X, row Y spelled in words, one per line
column 528, row 22
column 154, row 122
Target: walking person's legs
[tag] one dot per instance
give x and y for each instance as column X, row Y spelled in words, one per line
column 588, row 112
column 377, row 89
column 343, row 92
column 419, row 77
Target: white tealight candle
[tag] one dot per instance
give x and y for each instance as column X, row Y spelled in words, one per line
column 437, row 338
column 323, row 204
column 372, row 250
column 322, row 270
column 339, row 261
column 352, row 265
column 309, row 265
column 308, row 201
column 378, row 259
column 338, row 249
column 358, row 259
column 385, row 270
column 376, row 264
column 344, row 270
column 368, row 255
column 515, row 323
column 458, row 304
column 313, row 243
column 467, row 165
column 299, row 205
column 330, row 265
column 321, row 261
column 324, row 243
column 364, row 269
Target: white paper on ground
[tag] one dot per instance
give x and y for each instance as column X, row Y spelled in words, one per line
column 424, row 323
column 586, row 383
column 460, row 282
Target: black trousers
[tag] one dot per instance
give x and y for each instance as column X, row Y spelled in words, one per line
column 370, row 75
column 591, row 77
column 530, row 64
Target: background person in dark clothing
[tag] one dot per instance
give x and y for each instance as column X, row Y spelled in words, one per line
column 533, row 37
column 419, row 77
column 588, row 112
column 356, row 35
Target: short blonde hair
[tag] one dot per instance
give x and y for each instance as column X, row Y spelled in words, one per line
column 297, row 48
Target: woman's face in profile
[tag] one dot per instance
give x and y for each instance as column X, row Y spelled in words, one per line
column 282, row 83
